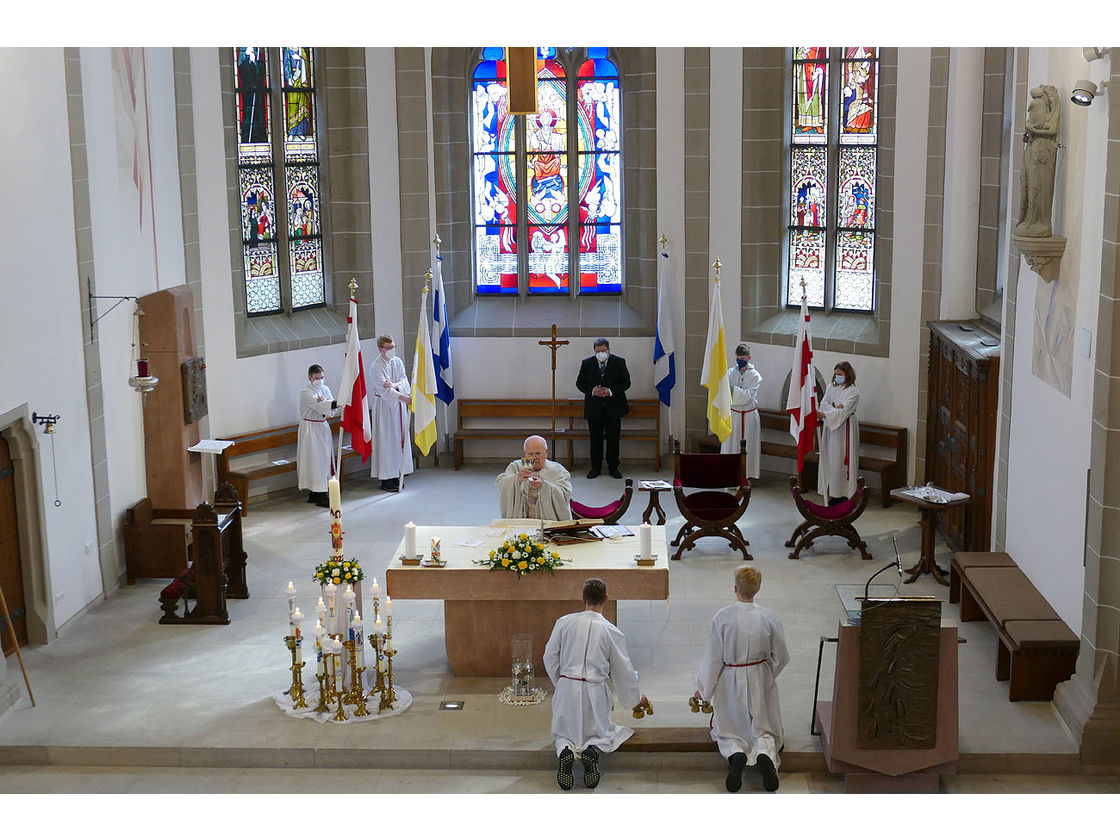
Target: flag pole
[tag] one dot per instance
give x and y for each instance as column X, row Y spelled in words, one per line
column 662, row 242
column 446, row 429
column 338, row 457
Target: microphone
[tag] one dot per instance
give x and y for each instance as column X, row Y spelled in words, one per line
column 897, row 559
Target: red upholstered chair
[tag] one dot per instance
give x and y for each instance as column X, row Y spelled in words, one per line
column 822, row 521
column 711, row 511
column 611, row 513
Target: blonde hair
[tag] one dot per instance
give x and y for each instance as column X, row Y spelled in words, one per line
column 748, row 580
column 382, row 340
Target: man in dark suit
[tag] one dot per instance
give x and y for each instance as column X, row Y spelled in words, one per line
column 603, row 379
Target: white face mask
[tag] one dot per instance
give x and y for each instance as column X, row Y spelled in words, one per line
column 387, row 354
column 602, row 356
column 839, row 379
column 316, row 384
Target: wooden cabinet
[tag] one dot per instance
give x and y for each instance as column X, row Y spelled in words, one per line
column 961, row 426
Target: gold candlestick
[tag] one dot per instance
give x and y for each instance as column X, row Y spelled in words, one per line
column 361, row 711
column 392, row 694
column 355, row 689
column 375, row 641
column 322, row 707
column 296, row 691
column 338, row 693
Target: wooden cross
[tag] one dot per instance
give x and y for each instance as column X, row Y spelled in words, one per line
column 552, row 345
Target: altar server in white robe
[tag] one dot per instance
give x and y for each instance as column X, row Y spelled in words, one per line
column 587, row 661
column 744, row 380
column 534, row 487
column 746, row 650
column 839, row 464
column 391, row 398
column 314, row 453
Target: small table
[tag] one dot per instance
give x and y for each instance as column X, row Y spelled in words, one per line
column 215, row 448
column 654, row 488
column 928, row 509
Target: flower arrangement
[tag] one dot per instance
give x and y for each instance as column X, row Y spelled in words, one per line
column 522, row 555
column 338, row 572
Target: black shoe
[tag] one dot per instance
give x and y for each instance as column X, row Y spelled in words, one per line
column 590, row 759
column 391, row 485
column 564, row 776
column 735, row 766
column 615, row 472
column 595, row 472
column 312, row 497
column 323, row 500
column 769, row 772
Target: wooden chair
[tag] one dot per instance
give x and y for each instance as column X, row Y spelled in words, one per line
column 610, row 513
column 823, row 521
column 712, row 511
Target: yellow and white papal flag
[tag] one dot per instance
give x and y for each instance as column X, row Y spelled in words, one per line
column 424, row 383
column 714, row 373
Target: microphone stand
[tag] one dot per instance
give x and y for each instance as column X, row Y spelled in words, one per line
column 897, row 563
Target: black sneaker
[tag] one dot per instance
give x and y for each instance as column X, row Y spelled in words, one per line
column 312, row 497
column 564, row 776
column 590, row 759
column 391, row 485
column 769, row 772
column 735, row 766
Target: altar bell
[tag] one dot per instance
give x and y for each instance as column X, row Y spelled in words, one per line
column 313, row 440
column 746, row 650
column 586, row 660
column 534, row 487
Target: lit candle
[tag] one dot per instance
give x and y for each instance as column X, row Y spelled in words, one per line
column 410, row 540
column 319, row 631
column 291, row 598
column 348, row 598
column 378, row 627
column 388, row 607
column 336, row 648
column 330, row 589
column 356, row 635
column 375, row 589
column 645, row 540
column 334, row 496
column 322, row 608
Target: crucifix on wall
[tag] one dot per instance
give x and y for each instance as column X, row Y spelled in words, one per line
column 553, row 345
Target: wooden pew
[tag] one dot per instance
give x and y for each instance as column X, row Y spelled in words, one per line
column 517, row 419
column 157, row 542
column 263, row 440
column 882, row 449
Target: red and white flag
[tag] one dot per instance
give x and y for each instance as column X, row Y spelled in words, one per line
column 802, row 400
column 352, row 391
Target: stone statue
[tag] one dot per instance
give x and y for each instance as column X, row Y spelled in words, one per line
column 1039, row 160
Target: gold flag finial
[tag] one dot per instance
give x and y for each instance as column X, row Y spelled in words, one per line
column 427, row 279
column 663, row 240
column 353, row 286
column 436, row 241
column 717, row 265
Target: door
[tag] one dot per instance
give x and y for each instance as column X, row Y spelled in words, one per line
column 11, row 570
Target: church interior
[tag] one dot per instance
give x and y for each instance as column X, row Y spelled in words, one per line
column 140, row 155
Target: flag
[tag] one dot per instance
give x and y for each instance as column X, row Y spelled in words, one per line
column 714, row 375
column 802, row 400
column 441, row 338
column 424, row 383
column 664, row 365
column 352, row 391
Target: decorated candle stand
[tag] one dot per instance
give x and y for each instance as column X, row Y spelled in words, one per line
column 340, row 665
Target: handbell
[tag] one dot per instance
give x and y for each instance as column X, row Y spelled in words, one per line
column 642, row 709
column 699, row 705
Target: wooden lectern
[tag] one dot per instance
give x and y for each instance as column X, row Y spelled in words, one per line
column 892, row 723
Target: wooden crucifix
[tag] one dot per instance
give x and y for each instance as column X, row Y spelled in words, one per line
column 552, row 345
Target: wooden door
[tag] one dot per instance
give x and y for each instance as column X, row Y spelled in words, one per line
column 11, row 570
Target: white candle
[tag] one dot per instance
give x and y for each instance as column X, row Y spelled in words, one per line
column 336, row 648
column 297, row 617
column 410, row 540
column 319, row 631
column 356, row 635
column 388, row 607
column 322, row 610
column 330, row 590
column 334, row 496
column 375, row 589
column 378, row 627
column 645, row 540
column 348, row 598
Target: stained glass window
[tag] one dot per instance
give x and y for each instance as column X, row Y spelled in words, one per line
column 833, row 166
column 284, row 223
column 525, row 185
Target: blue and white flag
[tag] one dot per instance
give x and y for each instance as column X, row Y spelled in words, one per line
column 441, row 338
column 664, row 364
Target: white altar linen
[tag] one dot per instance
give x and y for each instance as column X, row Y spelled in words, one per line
column 311, row 697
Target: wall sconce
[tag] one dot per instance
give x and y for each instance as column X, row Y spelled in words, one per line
column 1093, row 53
column 1084, row 92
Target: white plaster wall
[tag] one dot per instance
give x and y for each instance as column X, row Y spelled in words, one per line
column 1049, row 443
column 40, row 321
column 725, row 196
column 962, row 182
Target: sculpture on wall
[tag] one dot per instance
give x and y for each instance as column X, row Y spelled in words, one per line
column 1039, row 161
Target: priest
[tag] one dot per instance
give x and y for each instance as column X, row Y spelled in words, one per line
column 534, row 487
column 587, row 661
column 314, row 460
column 746, row 650
column 391, row 398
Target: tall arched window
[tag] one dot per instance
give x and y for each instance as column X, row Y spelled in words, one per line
column 280, row 195
column 832, row 186
column 527, row 237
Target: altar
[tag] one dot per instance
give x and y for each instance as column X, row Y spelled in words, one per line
column 483, row 609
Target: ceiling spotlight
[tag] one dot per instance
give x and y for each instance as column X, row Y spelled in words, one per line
column 1093, row 53
column 1084, row 92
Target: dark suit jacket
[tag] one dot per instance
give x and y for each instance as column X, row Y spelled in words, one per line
column 616, row 377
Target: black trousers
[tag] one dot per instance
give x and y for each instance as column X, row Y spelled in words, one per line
column 609, row 427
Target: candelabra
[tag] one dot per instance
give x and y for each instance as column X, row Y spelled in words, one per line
column 388, row 696
column 296, row 691
column 336, row 664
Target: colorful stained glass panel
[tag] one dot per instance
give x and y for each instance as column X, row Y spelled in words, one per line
column 258, row 205
column 600, row 259
column 855, row 270
column 806, row 262
column 307, row 273
column 600, row 106
column 303, row 201
column 809, row 192
column 856, row 196
column 548, row 260
column 858, row 96
column 810, row 95
column 496, row 260
column 262, row 279
column 495, row 195
column 600, row 176
column 251, row 81
column 492, row 123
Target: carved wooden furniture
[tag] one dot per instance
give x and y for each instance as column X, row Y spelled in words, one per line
column 610, row 513
column 822, row 520
column 930, row 513
column 157, row 541
column 884, row 450
column 281, row 438
column 710, row 511
column 501, row 419
column 961, row 426
column 1036, row 649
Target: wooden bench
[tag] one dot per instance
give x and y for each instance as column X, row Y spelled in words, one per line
column 263, row 440
column 969, row 559
column 157, row 541
column 1036, row 649
column 507, row 420
column 883, row 450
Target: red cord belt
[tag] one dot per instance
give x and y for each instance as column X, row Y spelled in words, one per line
column 743, row 664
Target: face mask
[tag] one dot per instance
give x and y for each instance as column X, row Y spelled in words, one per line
column 742, row 363
column 839, row 379
column 602, row 356
column 386, row 354
column 316, row 384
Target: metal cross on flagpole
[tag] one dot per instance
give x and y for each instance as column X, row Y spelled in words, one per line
column 553, row 345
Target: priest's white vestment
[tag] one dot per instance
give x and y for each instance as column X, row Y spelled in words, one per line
column 746, row 650
column 392, row 444
column 744, row 416
column 314, row 453
column 839, row 466
column 553, row 498
column 587, row 661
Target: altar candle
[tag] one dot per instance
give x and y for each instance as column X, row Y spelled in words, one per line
column 388, row 607
column 319, row 631
column 334, row 498
column 297, row 617
column 336, row 648
column 375, row 589
column 645, row 540
column 330, row 590
column 348, row 597
column 378, row 627
column 322, row 608
column 410, row 540
column 356, row 636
